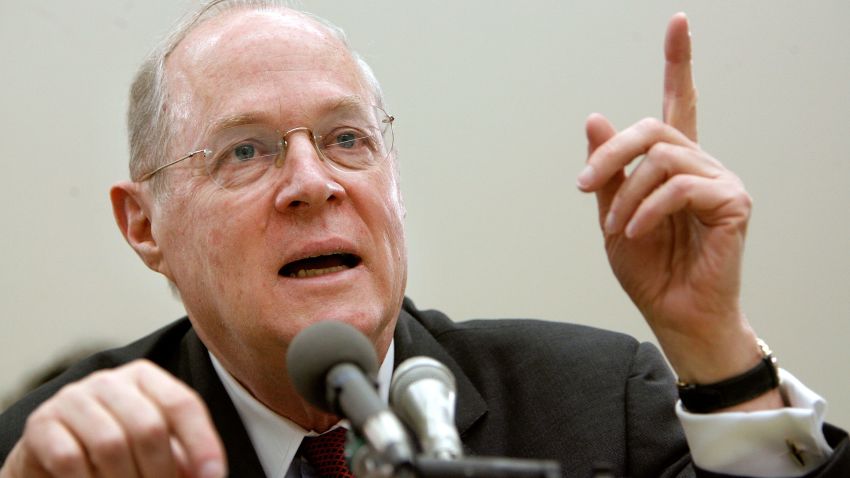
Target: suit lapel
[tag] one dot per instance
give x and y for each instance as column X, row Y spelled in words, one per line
column 413, row 339
column 199, row 373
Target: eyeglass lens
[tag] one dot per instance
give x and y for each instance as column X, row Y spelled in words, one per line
column 352, row 139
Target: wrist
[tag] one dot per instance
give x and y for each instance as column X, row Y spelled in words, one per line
column 711, row 355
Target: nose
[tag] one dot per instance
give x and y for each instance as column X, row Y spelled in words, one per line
column 306, row 184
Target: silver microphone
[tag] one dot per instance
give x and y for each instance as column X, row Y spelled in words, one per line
column 423, row 394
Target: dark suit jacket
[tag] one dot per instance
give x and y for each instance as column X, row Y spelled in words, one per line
column 526, row 389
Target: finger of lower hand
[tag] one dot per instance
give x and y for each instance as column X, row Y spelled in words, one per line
column 99, row 433
column 188, row 420
column 145, row 426
column 713, row 202
column 48, row 449
column 662, row 161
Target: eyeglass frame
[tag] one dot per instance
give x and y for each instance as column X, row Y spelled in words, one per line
column 281, row 154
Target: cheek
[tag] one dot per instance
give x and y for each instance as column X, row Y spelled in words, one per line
column 216, row 256
column 386, row 215
column 205, row 242
column 396, row 212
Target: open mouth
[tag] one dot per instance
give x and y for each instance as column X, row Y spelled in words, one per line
column 320, row 265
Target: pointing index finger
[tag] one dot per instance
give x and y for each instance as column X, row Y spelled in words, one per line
column 680, row 95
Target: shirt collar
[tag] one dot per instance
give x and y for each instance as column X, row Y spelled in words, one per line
column 275, row 438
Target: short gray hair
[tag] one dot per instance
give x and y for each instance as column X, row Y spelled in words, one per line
column 151, row 120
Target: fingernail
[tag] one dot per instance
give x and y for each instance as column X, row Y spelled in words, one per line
column 586, row 176
column 212, row 469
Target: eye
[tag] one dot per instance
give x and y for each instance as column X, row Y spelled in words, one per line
column 346, row 140
column 244, row 152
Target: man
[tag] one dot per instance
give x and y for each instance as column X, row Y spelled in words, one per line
column 267, row 216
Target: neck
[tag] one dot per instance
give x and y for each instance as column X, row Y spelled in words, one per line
column 274, row 390
column 286, row 402
column 279, row 396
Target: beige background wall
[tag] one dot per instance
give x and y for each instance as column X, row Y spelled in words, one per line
column 490, row 98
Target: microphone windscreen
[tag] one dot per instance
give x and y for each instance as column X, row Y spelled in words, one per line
column 320, row 347
column 415, row 369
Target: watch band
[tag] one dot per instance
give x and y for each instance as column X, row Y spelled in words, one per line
column 698, row 398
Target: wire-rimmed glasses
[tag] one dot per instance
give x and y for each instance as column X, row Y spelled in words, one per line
column 353, row 137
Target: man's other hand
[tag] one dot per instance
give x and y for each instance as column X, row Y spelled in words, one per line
column 132, row 421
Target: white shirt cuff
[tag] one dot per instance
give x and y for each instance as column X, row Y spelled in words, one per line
column 764, row 443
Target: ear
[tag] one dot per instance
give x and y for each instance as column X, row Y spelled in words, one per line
column 132, row 209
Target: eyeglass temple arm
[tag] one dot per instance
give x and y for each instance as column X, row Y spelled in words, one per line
column 149, row 175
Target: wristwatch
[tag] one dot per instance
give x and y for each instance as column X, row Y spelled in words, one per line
column 700, row 398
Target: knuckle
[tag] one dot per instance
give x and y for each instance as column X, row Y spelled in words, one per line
column 145, row 371
column 608, row 150
column 181, row 404
column 72, row 391
column 748, row 200
column 650, row 125
column 53, row 408
column 108, row 446
column 139, row 366
column 659, row 156
column 59, row 458
column 39, row 418
column 33, row 437
column 681, row 184
column 744, row 199
column 64, row 461
column 104, row 379
column 659, row 151
column 151, row 434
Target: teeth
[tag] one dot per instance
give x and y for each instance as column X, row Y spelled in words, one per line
column 317, row 272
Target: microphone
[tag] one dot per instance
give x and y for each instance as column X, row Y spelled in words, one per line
column 334, row 367
column 423, row 393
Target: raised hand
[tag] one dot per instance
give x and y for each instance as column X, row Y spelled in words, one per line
column 133, row 421
column 674, row 228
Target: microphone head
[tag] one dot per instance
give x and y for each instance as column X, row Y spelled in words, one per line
column 419, row 368
column 317, row 349
column 423, row 393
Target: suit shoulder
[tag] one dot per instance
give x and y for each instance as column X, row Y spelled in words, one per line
column 527, row 337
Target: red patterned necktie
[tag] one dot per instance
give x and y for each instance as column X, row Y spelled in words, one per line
column 326, row 453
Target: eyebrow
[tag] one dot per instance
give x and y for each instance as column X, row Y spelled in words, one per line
column 238, row 120
column 348, row 103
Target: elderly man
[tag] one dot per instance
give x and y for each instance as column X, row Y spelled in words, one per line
column 265, row 189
